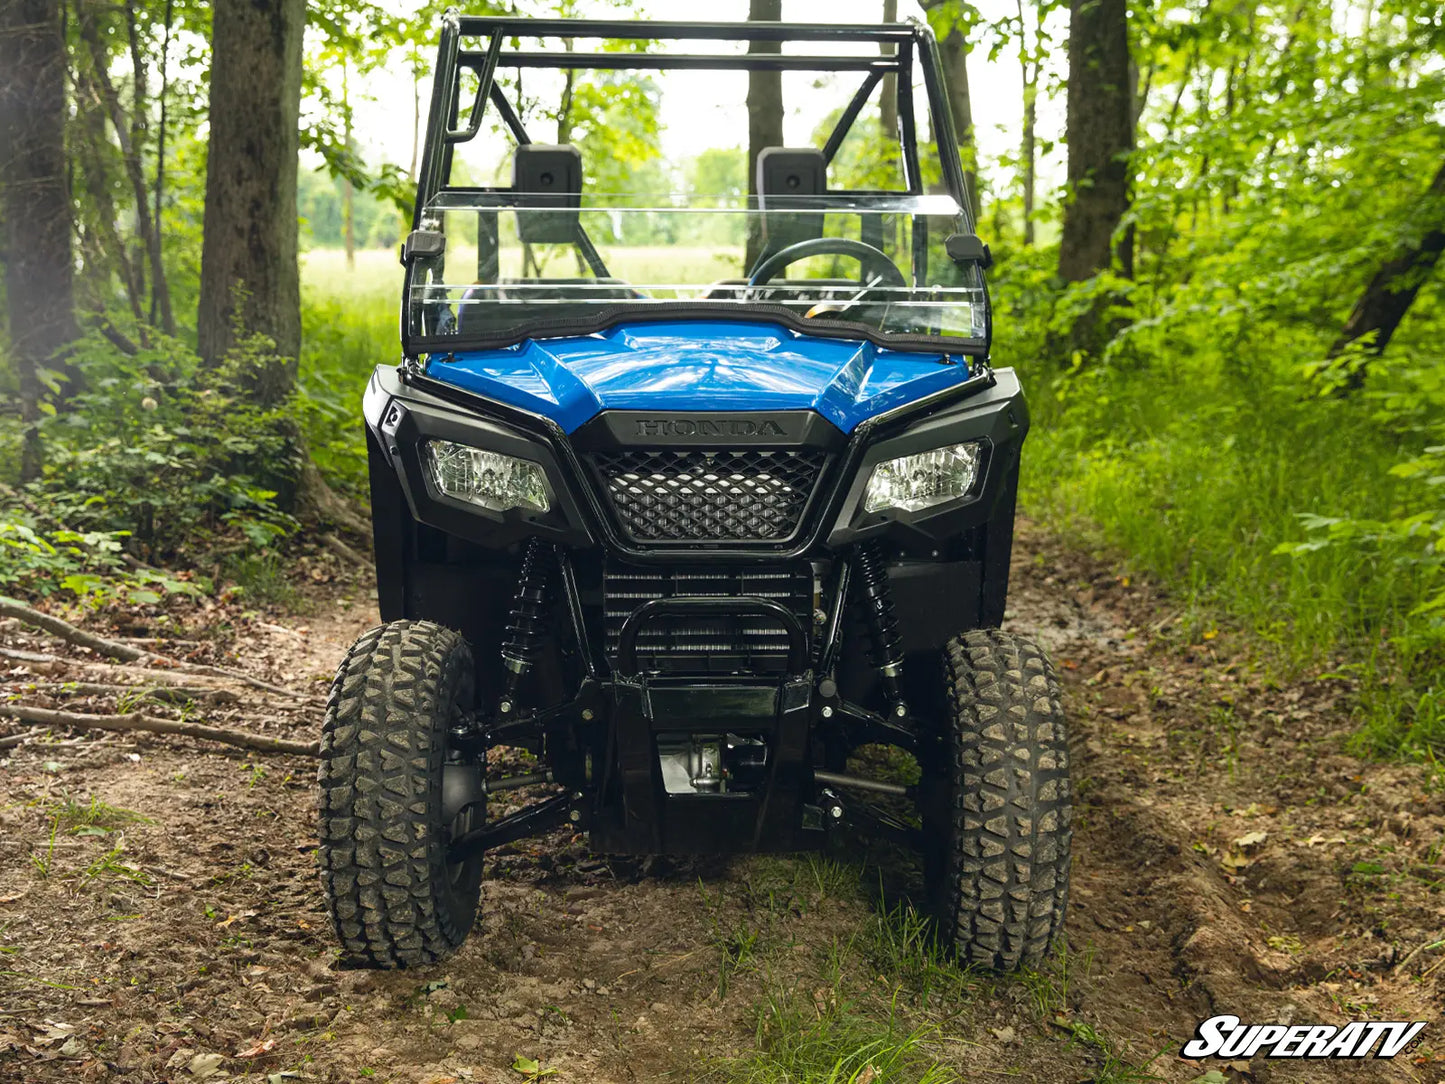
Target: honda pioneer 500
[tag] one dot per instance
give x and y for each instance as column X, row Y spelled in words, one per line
column 692, row 496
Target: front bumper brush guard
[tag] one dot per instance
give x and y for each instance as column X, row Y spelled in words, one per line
column 780, row 708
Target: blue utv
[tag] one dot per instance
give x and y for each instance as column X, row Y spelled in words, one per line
column 697, row 499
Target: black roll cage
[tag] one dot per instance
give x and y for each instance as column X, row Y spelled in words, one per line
column 912, row 44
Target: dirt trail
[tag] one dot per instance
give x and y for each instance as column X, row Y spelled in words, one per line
column 1229, row 857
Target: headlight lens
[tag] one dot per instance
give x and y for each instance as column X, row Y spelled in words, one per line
column 486, row 479
column 912, row 482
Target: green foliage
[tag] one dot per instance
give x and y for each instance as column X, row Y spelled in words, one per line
column 1206, row 433
column 1197, row 447
column 157, row 454
column 346, row 334
column 804, row 1040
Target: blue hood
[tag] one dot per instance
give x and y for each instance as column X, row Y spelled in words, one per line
column 699, row 365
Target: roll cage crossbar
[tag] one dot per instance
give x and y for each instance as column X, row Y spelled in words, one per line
column 910, row 43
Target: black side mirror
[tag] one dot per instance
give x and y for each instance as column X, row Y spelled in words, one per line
column 967, row 248
column 423, row 244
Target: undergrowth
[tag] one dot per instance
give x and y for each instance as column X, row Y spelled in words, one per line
column 1218, row 458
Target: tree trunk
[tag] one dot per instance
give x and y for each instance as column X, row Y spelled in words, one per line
column 148, row 241
column 1392, row 290
column 765, row 115
column 162, row 307
column 888, row 104
column 1027, row 152
column 953, row 52
column 35, row 189
column 90, row 149
column 348, row 192
column 1100, row 133
column 249, row 273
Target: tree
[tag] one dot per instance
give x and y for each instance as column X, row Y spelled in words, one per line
column 765, row 112
column 1031, row 62
column 130, row 134
column 1099, row 128
column 952, row 21
column 35, row 202
column 1393, row 288
column 249, row 273
column 888, row 103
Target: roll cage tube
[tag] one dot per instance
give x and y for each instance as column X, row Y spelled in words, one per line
column 911, row 42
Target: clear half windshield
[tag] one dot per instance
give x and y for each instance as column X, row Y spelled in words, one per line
column 501, row 267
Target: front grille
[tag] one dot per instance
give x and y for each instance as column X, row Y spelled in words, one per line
column 687, row 495
column 716, row 645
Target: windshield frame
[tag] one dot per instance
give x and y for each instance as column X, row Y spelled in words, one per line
column 911, row 44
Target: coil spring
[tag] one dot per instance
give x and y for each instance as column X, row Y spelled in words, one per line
column 526, row 622
column 882, row 617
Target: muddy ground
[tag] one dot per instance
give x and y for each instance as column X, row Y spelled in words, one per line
column 161, row 920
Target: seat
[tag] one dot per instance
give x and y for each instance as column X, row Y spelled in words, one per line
column 787, row 176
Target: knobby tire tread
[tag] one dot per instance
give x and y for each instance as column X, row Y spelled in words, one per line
column 382, row 845
column 1006, row 872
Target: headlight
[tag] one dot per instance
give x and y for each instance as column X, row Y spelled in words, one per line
column 487, row 479
column 912, row 482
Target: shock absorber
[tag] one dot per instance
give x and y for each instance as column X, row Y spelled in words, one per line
column 882, row 623
column 527, row 621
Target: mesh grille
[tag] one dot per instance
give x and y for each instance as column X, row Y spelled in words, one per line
column 712, row 644
column 686, row 495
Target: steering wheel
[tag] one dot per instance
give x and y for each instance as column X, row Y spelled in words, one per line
column 870, row 258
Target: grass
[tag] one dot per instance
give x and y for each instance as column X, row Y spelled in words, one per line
column 799, row 1042
column 1200, row 488
column 93, row 816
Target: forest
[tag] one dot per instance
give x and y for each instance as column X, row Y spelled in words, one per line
column 1214, row 228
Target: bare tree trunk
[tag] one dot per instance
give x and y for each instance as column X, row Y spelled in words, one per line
column 888, row 104
column 1028, row 153
column 146, row 230
column 1393, row 288
column 765, row 115
column 348, row 192
column 35, row 203
column 90, row 147
column 1100, row 134
column 165, row 313
column 249, row 273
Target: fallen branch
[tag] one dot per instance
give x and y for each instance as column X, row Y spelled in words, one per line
column 103, row 669
column 11, row 740
column 1428, row 946
column 149, row 723
column 69, row 633
column 169, row 694
column 27, row 656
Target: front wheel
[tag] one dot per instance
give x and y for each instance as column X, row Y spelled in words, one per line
column 997, row 831
column 394, row 898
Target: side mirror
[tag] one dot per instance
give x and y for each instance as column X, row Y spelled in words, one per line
column 967, row 248
column 423, row 244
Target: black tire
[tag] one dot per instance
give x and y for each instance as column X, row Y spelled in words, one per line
column 997, row 831
column 394, row 899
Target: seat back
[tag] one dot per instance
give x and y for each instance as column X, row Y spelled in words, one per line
column 794, row 173
column 548, row 175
